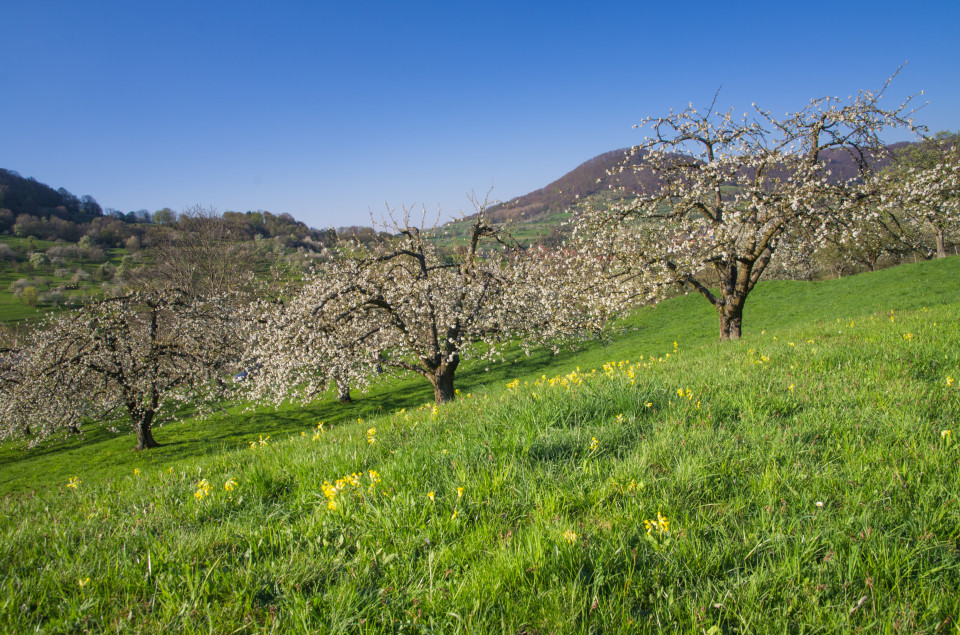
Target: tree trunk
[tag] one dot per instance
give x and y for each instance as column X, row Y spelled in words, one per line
column 443, row 385
column 941, row 250
column 731, row 319
column 343, row 391
column 144, row 433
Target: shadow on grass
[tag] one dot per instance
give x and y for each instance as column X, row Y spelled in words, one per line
column 648, row 331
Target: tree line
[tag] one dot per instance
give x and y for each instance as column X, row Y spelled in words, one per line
column 732, row 197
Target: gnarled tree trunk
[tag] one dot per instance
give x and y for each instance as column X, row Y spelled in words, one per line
column 144, row 432
column 731, row 319
column 441, row 378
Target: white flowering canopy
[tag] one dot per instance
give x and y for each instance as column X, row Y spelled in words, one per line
column 926, row 196
column 404, row 303
column 131, row 354
column 719, row 192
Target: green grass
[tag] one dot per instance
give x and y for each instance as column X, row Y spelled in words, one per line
column 825, row 400
column 688, row 320
column 12, row 309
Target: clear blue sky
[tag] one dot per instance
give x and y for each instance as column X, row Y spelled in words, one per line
column 328, row 110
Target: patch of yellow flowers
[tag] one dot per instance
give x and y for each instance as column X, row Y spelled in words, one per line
column 661, row 525
column 624, row 369
column 203, row 490
column 350, row 482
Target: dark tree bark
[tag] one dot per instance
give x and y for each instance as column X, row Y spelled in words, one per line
column 442, row 383
column 731, row 319
column 142, row 425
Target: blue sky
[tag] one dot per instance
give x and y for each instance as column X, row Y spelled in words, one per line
column 328, row 111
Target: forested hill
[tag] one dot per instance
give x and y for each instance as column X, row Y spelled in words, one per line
column 19, row 195
column 594, row 176
column 29, row 208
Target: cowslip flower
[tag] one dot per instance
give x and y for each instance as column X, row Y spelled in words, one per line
column 459, row 492
column 230, row 485
column 594, row 444
column 570, row 536
column 945, row 435
column 430, row 496
column 74, row 482
column 203, row 489
column 371, row 436
column 661, row 525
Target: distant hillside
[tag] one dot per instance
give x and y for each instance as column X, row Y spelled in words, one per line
column 593, row 177
column 19, row 195
column 586, row 179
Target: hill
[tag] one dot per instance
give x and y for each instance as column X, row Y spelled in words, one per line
column 802, row 477
column 600, row 176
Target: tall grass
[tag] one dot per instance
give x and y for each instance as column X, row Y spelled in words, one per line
column 802, row 479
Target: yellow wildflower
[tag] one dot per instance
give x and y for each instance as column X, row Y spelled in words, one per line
column 945, row 435
column 594, row 444
column 203, row 489
column 74, row 482
column 661, row 525
column 230, row 485
column 83, row 582
column 459, row 492
column 570, row 536
column 430, row 496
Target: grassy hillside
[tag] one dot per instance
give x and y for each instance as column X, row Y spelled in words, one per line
column 689, row 320
column 58, row 283
column 804, row 477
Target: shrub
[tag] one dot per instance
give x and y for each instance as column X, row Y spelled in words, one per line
column 39, row 260
column 29, row 296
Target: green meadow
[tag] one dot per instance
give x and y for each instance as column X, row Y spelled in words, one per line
column 802, row 479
